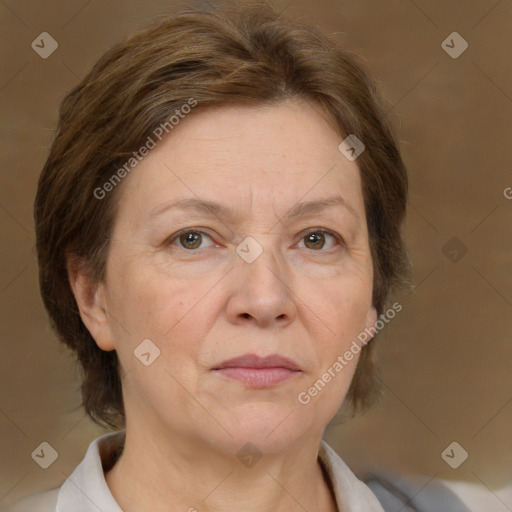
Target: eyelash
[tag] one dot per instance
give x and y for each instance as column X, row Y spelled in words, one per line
column 176, row 236
column 336, row 237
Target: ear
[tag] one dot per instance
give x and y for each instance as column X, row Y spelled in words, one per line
column 90, row 298
column 371, row 318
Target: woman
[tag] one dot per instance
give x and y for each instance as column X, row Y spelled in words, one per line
column 218, row 228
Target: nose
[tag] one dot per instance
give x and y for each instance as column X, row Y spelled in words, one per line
column 261, row 293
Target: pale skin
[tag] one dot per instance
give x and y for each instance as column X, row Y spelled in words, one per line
column 200, row 303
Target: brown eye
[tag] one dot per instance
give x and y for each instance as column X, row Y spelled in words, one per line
column 191, row 240
column 314, row 240
column 319, row 239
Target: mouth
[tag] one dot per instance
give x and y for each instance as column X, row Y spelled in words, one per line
column 259, row 372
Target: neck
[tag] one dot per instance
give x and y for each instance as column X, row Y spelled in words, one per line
column 183, row 475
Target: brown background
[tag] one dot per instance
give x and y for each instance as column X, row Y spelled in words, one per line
column 445, row 358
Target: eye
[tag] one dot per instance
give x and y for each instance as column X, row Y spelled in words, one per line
column 190, row 239
column 319, row 238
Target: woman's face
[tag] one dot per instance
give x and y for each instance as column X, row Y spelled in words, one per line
column 241, row 234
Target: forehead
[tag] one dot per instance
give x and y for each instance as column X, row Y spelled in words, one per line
column 269, row 156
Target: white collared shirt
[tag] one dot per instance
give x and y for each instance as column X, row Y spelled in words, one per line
column 86, row 489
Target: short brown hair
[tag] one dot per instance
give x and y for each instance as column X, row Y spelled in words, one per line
column 236, row 53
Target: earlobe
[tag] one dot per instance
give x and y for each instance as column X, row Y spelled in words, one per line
column 90, row 298
column 371, row 319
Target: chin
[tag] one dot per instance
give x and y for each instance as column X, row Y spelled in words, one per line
column 271, row 427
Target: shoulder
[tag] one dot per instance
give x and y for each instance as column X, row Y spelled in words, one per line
column 45, row 501
column 85, row 490
column 419, row 491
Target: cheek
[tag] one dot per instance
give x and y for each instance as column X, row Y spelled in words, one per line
column 147, row 303
column 340, row 303
column 337, row 311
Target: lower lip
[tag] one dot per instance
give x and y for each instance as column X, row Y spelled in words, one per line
column 258, row 377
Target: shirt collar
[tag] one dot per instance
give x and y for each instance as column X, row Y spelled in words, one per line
column 86, row 489
column 350, row 493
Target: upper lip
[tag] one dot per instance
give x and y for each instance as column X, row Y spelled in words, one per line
column 254, row 361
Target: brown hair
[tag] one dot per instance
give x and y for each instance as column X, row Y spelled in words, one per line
column 244, row 54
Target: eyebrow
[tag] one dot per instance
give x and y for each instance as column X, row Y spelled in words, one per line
column 212, row 208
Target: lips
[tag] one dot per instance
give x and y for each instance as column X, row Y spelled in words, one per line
column 258, row 372
column 256, row 362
